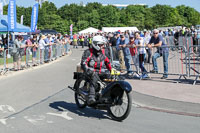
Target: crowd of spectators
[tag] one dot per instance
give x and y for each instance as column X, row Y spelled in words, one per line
column 29, row 45
column 137, row 46
column 126, row 47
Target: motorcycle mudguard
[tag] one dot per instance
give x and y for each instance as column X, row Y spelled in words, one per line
column 117, row 84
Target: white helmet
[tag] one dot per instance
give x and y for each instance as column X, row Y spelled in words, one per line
column 98, row 40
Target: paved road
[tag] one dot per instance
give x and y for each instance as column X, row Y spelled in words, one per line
column 38, row 101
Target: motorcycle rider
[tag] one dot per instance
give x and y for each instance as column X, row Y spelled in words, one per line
column 95, row 63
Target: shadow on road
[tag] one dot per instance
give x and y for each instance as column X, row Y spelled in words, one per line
column 86, row 112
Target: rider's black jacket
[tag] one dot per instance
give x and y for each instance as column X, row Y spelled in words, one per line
column 96, row 61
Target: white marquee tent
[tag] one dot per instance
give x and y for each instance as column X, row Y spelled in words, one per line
column 122, row 29
column 89, row 30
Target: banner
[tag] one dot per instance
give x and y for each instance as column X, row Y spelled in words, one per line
column 12, row 24
column 71, row 29
column 1, row 8
column 22, row 19
column 34, row 17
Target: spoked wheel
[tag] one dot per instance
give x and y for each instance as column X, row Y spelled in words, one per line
column 79, row 98
column 122, row 107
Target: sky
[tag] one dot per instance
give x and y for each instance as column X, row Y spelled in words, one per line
column 192, row 3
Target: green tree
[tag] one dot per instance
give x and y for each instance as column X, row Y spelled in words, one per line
column 137, row 13
column 109, row 16
column 189, row 15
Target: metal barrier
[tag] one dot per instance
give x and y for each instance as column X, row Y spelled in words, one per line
column 186, row 42
column 170, row 40
column 27, row 60
column 194, row 62
column 175, row 63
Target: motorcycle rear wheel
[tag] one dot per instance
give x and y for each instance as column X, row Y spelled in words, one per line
column 118, row 107
column 80, row 101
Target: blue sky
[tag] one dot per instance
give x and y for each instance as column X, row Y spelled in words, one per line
column 192, row 3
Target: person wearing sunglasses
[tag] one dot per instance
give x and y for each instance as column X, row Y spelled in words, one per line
column 162, row 50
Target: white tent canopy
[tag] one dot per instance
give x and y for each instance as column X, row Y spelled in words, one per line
column 89, row 30
column 122, row 29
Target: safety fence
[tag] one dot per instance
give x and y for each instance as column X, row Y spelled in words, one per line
column 194, row 62
column 182, row 60
column 32, row 56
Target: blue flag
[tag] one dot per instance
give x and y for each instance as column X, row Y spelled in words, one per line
column 34, row 17
column 12, row 24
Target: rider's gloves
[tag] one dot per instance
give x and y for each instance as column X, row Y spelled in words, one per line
column 114, row 72
column 89, row 72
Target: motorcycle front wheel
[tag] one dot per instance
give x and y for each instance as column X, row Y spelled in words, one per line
column 79, row 98
column 122, row 107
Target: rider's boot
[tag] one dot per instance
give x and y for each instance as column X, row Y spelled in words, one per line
column 91, row 98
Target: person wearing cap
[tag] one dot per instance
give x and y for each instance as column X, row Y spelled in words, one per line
column 162, row 50
column 120, row 53
column 121, row 45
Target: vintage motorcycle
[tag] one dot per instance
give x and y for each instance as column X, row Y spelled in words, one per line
column 112, row 94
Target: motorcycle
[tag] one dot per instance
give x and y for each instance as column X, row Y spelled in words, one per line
column 112, row 94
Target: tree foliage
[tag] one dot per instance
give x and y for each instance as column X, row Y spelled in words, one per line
column 98, row 16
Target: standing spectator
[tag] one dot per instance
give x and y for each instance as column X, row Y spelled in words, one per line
column 34, row 50
column 147, row 38
column 47, row 49
column 75, row 44
column 18, row 45
column 90, row 41
column 81, row 38
column 123, row 42
column 85, row 40
column 28, row 50
column 134, row 54
column 112, row 43
column 1, row 47
column 120, row 54
column 195, row 41
column 42, row 45
column 141, row 53
column 67, row 44
column 162, row 50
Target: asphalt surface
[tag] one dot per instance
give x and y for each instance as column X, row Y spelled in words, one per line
column 38, row 101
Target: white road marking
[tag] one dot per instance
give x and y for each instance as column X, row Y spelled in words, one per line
column 34, row 121
column 63, row 115
column 73, row 59
column 7, row 108
column 3, row 121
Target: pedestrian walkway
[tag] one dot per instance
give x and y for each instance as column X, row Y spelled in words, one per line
column 168, row 89
column 166, row 95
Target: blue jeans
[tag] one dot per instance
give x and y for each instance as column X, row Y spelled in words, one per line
column 127, row 59
column 141, row 63
column 67, row 47
column 46, row 54
column 165, row 62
